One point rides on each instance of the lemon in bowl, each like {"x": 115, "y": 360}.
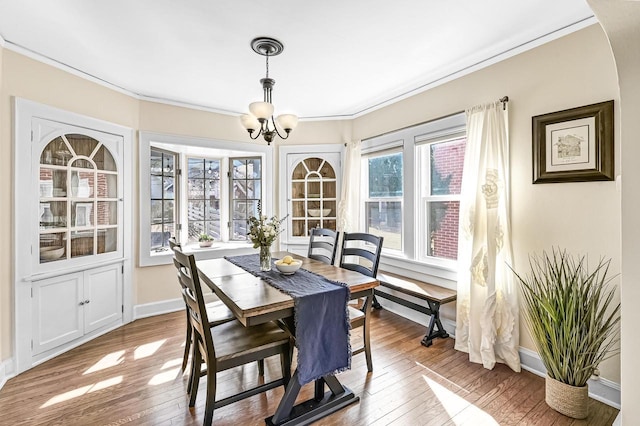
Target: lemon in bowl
{"x": 288, "y": 265}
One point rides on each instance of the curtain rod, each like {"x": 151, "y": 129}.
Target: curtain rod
{"x": 504, "y": 101}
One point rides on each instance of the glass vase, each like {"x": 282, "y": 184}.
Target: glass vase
{"x": 265, "y": 258}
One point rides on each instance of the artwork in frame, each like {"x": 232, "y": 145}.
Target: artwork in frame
{"x": 574, "y": 145}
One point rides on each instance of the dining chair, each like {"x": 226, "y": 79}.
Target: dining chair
{"x": 361, "y": 253}
{"x": 323, "y": 245}
{"x": 227, "y": 345}
{"x": 217, "y": 313}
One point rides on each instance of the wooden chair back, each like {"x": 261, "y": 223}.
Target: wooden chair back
{"x": 361, "y": 252}
{"x": 323, "y": 245}
{"x": 192, "y": 293}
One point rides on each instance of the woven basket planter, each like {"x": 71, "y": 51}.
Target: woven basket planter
{"x": 572, "y": 401}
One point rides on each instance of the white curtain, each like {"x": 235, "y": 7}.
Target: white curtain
{"x": 349, "y": 205}
{"x": 487, "y": 306}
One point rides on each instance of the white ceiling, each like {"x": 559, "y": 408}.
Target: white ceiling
{"x": 341, "y": 57}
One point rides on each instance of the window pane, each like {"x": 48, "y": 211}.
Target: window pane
{"x": 156, "y": 162}
{"x": 240, "y": 189}
{"x": 239, "y": 210}
{"x": 156, "y": 187}
{"x": 195, "y": 210}
{"x": 168, "y": 188}
{"x": 196, "y": 168}
{"x": 446, "y": 163}
{"x": 253, "y": 169}
{"x": 168, "y": 165}
{"x": 239, "y": 169}
{"x": 384, "y": 218}
{"x": 385, "y": 176}
{"x": 239, "y": 230}
{"x": 213, "y": 210}
{"x": 212, "y": 188}
{"x": 196, "y": 189}
{"x": 442, "y": 232}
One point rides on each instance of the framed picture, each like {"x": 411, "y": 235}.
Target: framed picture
{"x": 574, "y": 145}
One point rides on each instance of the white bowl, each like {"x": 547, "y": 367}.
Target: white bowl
{"x": 288, "y": 269}
{"x": 51, "y": 252}
{"x": 316, "y": 212}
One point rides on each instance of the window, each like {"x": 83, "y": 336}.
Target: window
{"x": 203, "y": 198}
{"x": 246, "y": 190}
{"x": 163, "y": 198}
{"x": 189, "y": 186}
{"x": 383, "y": 199}
{"x": 441, "y": 166}
{"x": 411, "y": 195}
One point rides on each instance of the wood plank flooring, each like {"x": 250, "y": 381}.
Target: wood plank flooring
{"x": 131, "y": 376}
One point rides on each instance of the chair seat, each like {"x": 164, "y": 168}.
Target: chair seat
{"x": 233, "y": 340}
{"x": 218, "y": 313}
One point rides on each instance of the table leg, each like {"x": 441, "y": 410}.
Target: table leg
{"x": 323, "y": 403}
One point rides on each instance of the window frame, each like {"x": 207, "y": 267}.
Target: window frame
{"x": 187, "y": 145}
{"x": 176, "y": 196}
{"x": 367, "y": 199}
{"x": 231, "y": 196}
{"x": 423, "y": 217}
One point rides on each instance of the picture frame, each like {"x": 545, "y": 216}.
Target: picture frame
{"x": 574, "y": 145}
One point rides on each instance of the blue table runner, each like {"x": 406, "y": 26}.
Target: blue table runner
{"x": 320, "y": 314}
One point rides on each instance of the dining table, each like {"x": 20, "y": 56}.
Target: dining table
{"x": 254, "y": 301}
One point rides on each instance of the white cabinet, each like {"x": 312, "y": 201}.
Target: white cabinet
{"x": 313, "y": 182}
{"x": 73, "y": 215}
{"x": 67, "y": 307}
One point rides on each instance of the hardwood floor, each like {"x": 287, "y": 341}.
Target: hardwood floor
{"x": 131, "y": 376}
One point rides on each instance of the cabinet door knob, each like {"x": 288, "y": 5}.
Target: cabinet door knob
{"x": 87, "y": 301}
{"x": 81, "y": 303}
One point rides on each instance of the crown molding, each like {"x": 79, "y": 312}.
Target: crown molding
{"x": 546, "y": 38}
{"x": 423, "y": 87}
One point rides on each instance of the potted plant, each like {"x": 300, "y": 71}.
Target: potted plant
{"x": 573, "y": 322}
{"x": 205, "y": 240}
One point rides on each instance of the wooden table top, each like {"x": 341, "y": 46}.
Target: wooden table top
{"x": 254, "y": 301}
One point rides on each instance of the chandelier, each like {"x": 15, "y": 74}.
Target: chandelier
{"x": 261, "y": 116}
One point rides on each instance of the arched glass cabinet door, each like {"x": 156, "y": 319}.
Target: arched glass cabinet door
{"x": 313, "y": 196}
{"x": 78, "y": 199}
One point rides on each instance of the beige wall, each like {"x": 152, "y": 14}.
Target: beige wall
{"x": 575, "y": 70}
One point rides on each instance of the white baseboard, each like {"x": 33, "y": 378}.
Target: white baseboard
{"x": 6, "y": 371}
{"x": 601, "y": 389}
{"x": 157, "y": 308}
{"x": 618, "y": 420}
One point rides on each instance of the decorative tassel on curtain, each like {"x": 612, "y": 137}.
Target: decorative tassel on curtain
{"x": 487, "y": 307}
{"x": 349, "y": 205}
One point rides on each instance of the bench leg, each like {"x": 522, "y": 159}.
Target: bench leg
{"x": 435, "y": 326}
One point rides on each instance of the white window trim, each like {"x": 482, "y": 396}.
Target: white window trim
{"x": 146, "y": 257}
{"x": 386, "y": 149}
{"x": 442, "y": 272}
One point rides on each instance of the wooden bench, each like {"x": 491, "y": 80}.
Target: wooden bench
{"x": 432, "y": 294}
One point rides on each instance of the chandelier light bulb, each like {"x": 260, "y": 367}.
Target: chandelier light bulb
{"x": 287, "y": 121}
{"x": 261, "y": 110}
